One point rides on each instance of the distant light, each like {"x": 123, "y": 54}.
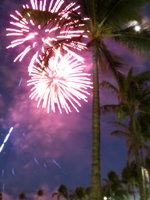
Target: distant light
{"x": 105, "y": 198}
{"x": 132, "y": 23}
{"x": 135, "y": 25}
{"x": 137, "y": 28}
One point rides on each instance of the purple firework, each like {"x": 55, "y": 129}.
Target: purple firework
{"x": 37, "y": 37}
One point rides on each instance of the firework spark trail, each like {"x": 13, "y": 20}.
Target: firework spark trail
{"x": 20, "y": 82}
{"x": 61, "y": 85}
{"x": 13, "y": 171}
{"x": 3, "y": 171}
{"x": 36, "y": 161}
{"x": 6, "y": 138}
{"x": 37, "y": 37}
{"x": 45, "y": 165}
{"x": 57, "y": 164}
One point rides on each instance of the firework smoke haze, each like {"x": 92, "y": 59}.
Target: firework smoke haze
{"x": 41, "y": 26}
{"x": 61, "y": 85}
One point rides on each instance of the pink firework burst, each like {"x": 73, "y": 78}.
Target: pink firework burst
{"x": 37, "y": 37}
{"x": 61, "y": 85}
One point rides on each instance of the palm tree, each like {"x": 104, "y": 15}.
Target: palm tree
{"x": 61, "y": 192}
{"x": 134, "y": 98}
{"x": 40, "y": 193}
{"x": 134, "y": 150}
{"x": 113, "y": 188}
{"x": 22, "y": 196}
{"x": 80, "y": 193}
{"x": 107, "y": 19}
{"x": 130, "y": 179}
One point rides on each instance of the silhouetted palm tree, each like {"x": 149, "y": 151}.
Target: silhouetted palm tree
{"x": 61, "y": 192}
{"x": 40, "y": 193}
{"x": 22, "y": 196}
{"x": 129, "y": 177}
{"x": 113, "y": 19}
{"x": 113, "y": 188}
{"x": 134, "y": 96}
{"x": 79, "y": 193}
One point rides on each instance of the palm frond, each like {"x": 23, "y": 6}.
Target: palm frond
{"x": 105, "y": 109}
{"x": 112, "y": 62}
{"x": 115, "y": 12}
{"x": 67, "y": 41}
{"x": 92, "y": 9}
{"x": 144, "y": 106}
{"x": 108, "y": 85}
{"x": 129, "y": 76}
{"x": 119, "y": 133}
{"x": 123, "y": 112}
{"x": 39, "y": 17}
{"x": 142, "y": 77}
{"x": 133, "y": 39}
{"x": 131, "y": 153}
{"x": 120, "y": 12}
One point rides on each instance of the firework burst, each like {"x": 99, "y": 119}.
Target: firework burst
{"x": 41, "y": 26}
{"x": 61, "y": 85}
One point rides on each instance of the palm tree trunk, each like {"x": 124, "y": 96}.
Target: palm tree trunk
{"x": 95, "y": 177}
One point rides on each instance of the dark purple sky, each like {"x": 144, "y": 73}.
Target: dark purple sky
{"x": 46, "y": 150}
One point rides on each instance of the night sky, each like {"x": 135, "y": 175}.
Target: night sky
{"x": 46, "y": 150}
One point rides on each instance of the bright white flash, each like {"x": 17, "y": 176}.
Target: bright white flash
{"x": 137, "y": 28}
{"x": 60, "y": 86}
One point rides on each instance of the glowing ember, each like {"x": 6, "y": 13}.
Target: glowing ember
{"x": 37, "y": 37}
{"x": 61, "y": 85}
